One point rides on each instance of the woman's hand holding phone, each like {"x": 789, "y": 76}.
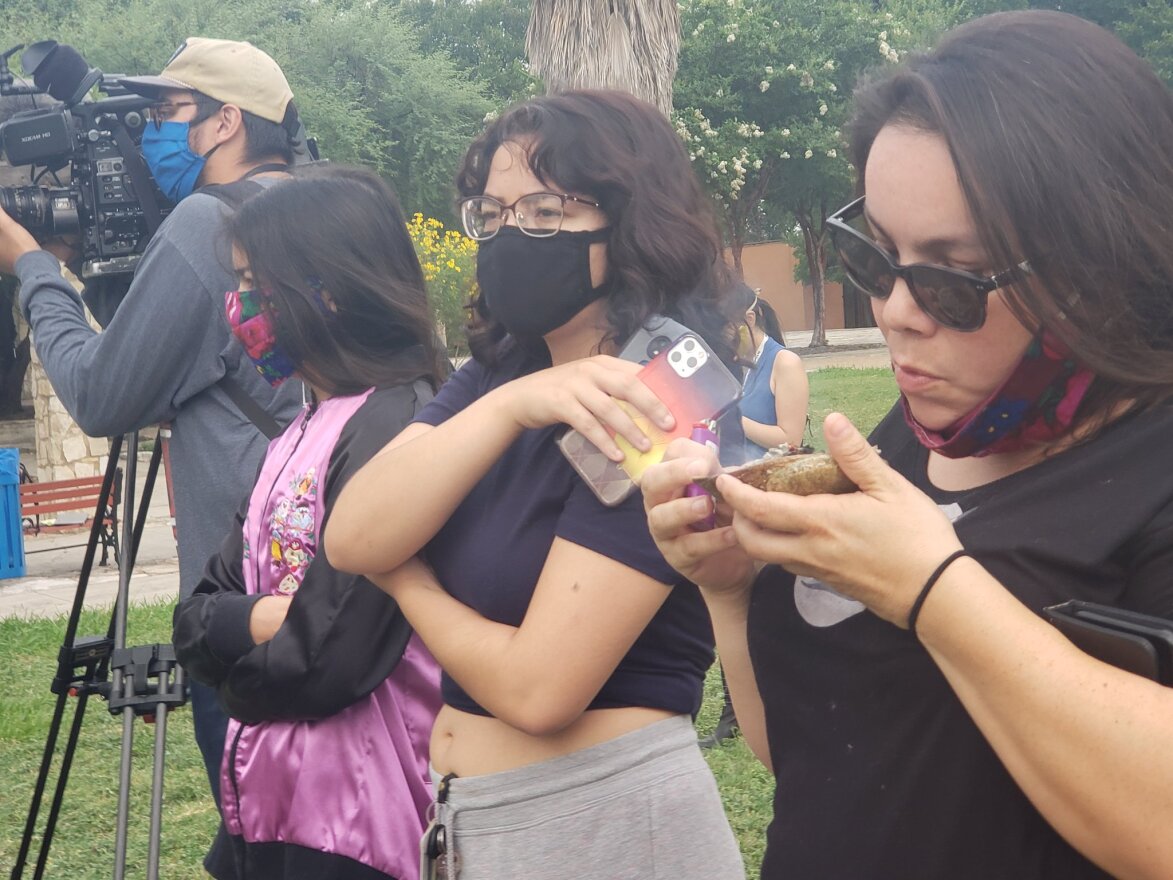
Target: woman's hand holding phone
{"x": 586, "y": 395}
{"x": 694, "y": 386}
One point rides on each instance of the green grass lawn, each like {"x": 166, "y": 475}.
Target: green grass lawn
{"x": 864, "y": 395}
{"x": 84, "y": 842}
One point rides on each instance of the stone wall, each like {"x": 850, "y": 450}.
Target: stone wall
{"x": 63, "y": 451}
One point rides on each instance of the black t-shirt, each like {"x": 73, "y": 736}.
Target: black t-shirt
{"x": 491, "y": 551}
{"x": 880, "y": 771}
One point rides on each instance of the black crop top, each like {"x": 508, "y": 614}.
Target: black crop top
{"x": 491, "y": 552}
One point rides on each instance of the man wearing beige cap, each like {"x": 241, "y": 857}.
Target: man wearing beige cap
{"x": 223, "y": 113}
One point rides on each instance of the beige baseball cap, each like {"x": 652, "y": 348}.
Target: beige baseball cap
{"x": 228, "y": 71}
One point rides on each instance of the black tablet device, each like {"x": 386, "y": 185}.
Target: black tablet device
{"x": 1138, "y": 643}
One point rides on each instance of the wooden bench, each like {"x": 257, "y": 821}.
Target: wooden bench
{"x": 57, "y": 496}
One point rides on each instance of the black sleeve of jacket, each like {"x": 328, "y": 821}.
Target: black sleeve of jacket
{"x": 210, "y": 629}
{"x": 342, "y": 635}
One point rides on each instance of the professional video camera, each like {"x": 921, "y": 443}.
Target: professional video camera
{"x": 110, "y": 200}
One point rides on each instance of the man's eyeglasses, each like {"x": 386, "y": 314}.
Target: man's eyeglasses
{"x": 951, "y": 297}
{"x": 536, "y": 214}
{"x": 164, "y": 110}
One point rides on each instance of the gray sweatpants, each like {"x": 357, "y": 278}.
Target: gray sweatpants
{"x": 644, "y": 806}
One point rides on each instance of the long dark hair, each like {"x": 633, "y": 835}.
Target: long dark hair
{"x": 1061, "y": 139}
{"x": 340, "y": 230}
{"x": 664, "y": 252}
{"x": 747, "y": 300}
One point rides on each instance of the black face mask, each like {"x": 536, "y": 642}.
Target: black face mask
{"x": 535, "y": 285}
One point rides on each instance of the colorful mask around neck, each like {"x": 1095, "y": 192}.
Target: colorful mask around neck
{"x": 173, "y": 164}
{"x": 1035, "y": 405}
{"x": 253, "y": 326}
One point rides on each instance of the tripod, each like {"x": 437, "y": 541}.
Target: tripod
{"x": 142, "y": 681}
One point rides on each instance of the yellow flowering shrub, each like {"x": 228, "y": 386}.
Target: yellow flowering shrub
{"x": 448, "y": 259}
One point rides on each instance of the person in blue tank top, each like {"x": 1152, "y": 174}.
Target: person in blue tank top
{"x": 775, "y": 392}
{"x": 773, "y": 405}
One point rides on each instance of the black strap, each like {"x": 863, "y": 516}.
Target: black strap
{"x": 252, "y": 410}
{"x": 235, "y": 193}
{"x": 232, "y": 194}
{"x": 265, "y": 169}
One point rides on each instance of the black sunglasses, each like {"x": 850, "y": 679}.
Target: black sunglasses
{"x": 951, "y": 297}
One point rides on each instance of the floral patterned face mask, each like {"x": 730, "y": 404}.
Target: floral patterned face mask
{"x": 252, "y": 324}
{"x": 1035, "y": 405}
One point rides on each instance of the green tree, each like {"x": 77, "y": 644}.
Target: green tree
{"x": 1145, "y": 25}
{"x": 484, "y": 38}
{"x": 763, "y": 95}
{"x": 363, "y": 85}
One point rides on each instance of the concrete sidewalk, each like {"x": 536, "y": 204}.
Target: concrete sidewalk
{"x": 857, "y": 347}
{"x": 53, "y": 566}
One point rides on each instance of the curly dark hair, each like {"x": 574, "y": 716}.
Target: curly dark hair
{"x": 1061, "y": 139}
{"x": 664, "y": 253}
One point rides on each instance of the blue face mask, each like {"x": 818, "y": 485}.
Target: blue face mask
{"x": 173, "y": 164}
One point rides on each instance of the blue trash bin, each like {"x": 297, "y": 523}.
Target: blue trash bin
{"x": 11, "y": 534}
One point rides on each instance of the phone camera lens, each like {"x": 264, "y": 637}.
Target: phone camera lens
{"x": 691, "y": 363}
{"x": 675, "y": 357}
{"x": 657, "y": 345}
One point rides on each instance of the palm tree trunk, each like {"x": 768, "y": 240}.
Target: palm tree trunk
{"x": 606, "y": 44}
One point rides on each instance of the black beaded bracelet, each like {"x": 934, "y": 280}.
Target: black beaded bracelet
{"x": 914, "y": 612}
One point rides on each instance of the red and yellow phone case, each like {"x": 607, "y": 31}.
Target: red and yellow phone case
{"x": 692, "y": 392}
{"x": 694, "y": 385}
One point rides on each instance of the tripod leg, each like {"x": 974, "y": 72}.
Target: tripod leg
{"x": 62, "y": 780}
{"x": 125, "y": 684}
{"x": 62, "y": 682}
{"x": 124, "y": 788}
{"x": 157, "y": 780}
{"x": 94, "y": 655}
{"x": 145, "y": 501}
{"x": 39, "y": 788}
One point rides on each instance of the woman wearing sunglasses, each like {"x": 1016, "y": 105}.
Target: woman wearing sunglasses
{"x": 892, "y": 662}
{"x": 573, "y": 654}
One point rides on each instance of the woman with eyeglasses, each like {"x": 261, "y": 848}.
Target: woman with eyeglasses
{"x": 573, "y": 654}
{"x": 891, "y": 662}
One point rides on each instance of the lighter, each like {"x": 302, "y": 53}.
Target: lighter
{"x": 704, "y": 433}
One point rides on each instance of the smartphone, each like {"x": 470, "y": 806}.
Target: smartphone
{"x": 610, "y": 482}
{"x": 652, "y": 338}
{"x": 695, "y": 386}
{"x": 1139, "y": 643}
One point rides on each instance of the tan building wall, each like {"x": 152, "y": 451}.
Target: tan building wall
{"x": 770, "y": 267}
